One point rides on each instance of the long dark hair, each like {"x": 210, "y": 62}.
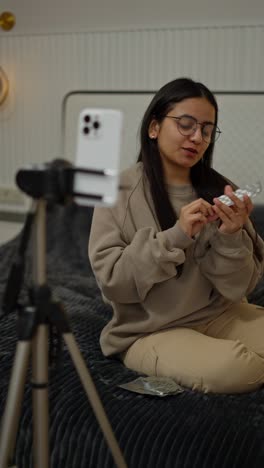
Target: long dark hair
{"x": 202, "y": 172}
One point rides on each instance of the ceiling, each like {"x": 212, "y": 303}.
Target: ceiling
{"x": 61, "y": 16}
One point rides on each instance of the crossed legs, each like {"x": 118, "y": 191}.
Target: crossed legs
{"x": 223, "y": 356}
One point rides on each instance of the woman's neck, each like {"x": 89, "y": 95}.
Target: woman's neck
{"x": 177, "y": 176}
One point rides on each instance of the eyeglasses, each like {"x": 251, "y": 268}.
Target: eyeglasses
{"x": 187, "y": 126}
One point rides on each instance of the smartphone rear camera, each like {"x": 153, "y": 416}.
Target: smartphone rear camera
{"x": 87, "y": 118}
{"x": 96, "y": 125}
{"x": 86, "y": 130}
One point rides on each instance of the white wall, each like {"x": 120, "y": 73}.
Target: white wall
{"x": 56, "y": 16}
{"x": 44, "y": 62}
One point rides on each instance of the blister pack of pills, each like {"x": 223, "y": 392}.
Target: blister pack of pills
{"x": 251, "y": 190}
{"x": 156, "y": 386}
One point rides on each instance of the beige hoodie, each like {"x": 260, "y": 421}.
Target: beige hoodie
{"x": 135, "y": 264}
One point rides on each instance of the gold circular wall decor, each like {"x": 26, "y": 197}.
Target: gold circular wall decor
{"x": 7, "y": 20}
{"x": 4, "y": 85}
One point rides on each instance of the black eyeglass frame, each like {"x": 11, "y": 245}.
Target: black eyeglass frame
{"x": 215, "y": 134}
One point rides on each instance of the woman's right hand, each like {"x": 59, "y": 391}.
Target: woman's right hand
{"x": 195, "y": 215}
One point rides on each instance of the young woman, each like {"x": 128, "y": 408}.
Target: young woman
{"x": 175, "y": 263}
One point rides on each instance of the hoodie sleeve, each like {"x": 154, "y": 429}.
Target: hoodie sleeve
{"x": 126, "y": 272}
{"x": 230, "y": 264}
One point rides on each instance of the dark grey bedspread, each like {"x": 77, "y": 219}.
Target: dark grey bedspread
{"x": 189, "y": 430}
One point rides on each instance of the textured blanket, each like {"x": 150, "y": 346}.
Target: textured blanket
{"x": 188, "y": 430}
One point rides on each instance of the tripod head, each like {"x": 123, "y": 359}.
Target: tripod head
{"x": 57, "y": 182}
{"x": 52, "y": 181}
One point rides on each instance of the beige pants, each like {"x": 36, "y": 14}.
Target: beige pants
{"x": 223, "y": 356}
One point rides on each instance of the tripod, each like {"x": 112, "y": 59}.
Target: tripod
{"x": 33, "y": 325}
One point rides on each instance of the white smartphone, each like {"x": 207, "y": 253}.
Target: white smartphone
{"x": 97, "y": 161}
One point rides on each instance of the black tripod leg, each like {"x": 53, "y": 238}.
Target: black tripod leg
{"x": 35, "y": 338}
{"x": 41, "y": 298}
{"x": 59, "y": 319}
{"x": 12, "y": 411}
{"x": 94, "y": 399}
{"x": 40, "y": 397}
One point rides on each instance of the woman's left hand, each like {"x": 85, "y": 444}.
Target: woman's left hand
{"x": 235, "y": 216}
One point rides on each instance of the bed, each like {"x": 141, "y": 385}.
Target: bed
{"x": 187, "y": 430}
